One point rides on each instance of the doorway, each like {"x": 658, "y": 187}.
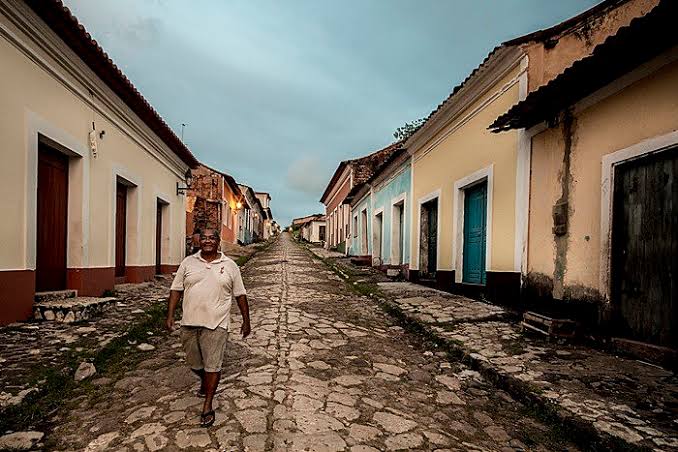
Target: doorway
{"x": 428, "y": 247}
{"x": 52, "y": 219}
{"x": 363, "y": 233}
{"x": 160, "y": 210}
{"x": 475, "y": 233}
{"x": 397, "y": 239}
{"x": 120, "y": 229}
{"x": 644, "y": 271}
{"x": 377, "y": 232}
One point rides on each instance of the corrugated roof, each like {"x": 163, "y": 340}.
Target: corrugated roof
{"x": 60, "y": 19}
{"x": 644, "y": 38}
{"x": 575, "y": 21}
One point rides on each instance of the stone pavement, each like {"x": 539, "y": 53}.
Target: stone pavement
{"x": 28, "y": 347}
{"x": 614, "y": 397}
{"x": 324, "y": 370}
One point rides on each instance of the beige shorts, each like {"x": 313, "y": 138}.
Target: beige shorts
{"x": 204, "y": 347}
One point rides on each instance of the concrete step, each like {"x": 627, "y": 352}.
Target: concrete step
{"x": 54, "y": 295}
{"x": 69, "y": 310}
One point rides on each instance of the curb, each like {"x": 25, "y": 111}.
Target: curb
{"x": 582, "y": 432}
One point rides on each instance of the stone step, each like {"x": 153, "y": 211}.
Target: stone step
{"x": 54, "y": 295}
{"x": 69, "y": 310}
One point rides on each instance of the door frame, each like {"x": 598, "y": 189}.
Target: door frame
{"x": 482, "y": 175}
{"x": 133, "y": 223}
{"x": 375, "y": 213}
{"x": 421, "y": 201}
{"x": 37, "y": 130}
{"x": 638, "y": 150}
{"x": 399, "y": 201}
{"x": 364, "y": 236}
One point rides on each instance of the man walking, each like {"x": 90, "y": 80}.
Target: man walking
{"x": 209, "y": 281}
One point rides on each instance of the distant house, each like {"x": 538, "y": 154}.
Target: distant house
{"x": 252, "y": 217}
{"x": 312, "y": 228}
{"x": 91, "y": 175}
{"x": 384, "y": 235}
{"x": 603, "y": 193}
{"x": 265, "y": 200}
{"x": 211, "y": 202}
{"x": 348, "y": 174}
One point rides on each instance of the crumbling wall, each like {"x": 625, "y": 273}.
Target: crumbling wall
{"x": 550, "y": 58}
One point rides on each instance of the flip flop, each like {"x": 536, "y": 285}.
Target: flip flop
{"x": 207, "y": 419}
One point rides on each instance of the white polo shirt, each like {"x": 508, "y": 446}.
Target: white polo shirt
{"x": 209, "y": 289}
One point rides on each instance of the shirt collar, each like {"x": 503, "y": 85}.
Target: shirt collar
{"x": 220, "y": 258}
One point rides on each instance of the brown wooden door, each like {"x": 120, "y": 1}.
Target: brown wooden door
{"x": 120, "y": 229}
{"x": 645, "y": 249}
{"x": 158, "y": 237}
{"x": 52, "y": 220}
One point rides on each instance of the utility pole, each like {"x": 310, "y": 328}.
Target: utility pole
{"x": 182, "y": 131}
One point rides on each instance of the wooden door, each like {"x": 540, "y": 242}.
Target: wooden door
{"x": 52, "y": 220}
{"x": 475, "y": 228}
{"x": 120, "y": 229}
{"x": 645, "y": 249}
{"x": 432, "y": 213}
{"x": 158, "y": 238}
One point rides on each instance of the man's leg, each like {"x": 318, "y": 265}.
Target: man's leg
{"x": 211, "y": 382}
{"x": 201, "y": 374}
{"x": 190, "y": 341}
{"x": 212, "y": 345}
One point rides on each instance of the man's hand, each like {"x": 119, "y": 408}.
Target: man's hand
{"x": 245, "y": 311}
{"x": 245, "y": 329}
{"x": 174, "y": 297}
{"x": 169, "y": 323}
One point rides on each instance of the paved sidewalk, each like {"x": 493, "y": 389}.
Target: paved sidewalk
{"x": 26, "y": 348}
{"x": 324, "y": 370}
{"x": 614, "y": 397}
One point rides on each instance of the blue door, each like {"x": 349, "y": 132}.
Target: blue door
{"x": 475, "y": 225}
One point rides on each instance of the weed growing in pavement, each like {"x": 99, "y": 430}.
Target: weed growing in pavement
{"x": 560, "y": 431}
{"x": 57, "y": 388}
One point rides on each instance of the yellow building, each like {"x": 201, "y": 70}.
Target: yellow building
{"x": 470, "y": 187}
{"x": 90, "y": 172}
{"x": 603, "y": 195}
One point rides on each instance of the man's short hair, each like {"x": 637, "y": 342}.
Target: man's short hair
{"x": 216, "y": 233}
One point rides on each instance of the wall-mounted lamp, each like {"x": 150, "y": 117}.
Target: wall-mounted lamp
{"x": 238, "y": 205}
{"x": 188, "y": 178}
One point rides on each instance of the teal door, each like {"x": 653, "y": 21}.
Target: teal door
{"x": 475, "y": 226}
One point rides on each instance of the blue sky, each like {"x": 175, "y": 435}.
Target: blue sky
{"x": 277, "y": 93}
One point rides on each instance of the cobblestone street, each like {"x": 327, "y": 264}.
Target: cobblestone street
{"x": 324, "y": 370}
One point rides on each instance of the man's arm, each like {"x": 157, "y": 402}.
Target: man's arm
{"x": 245, "y": 311}
{"x": 175, "y": 296}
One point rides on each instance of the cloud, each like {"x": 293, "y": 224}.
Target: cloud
{"x": 306, "y": 175}
{"x": 262, "y": 84}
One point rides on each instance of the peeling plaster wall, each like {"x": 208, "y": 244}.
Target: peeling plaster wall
{"x": 548, "y": 60}
{"x": 570, "y": 270}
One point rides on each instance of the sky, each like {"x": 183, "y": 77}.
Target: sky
{"x": 278, "y": 92}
